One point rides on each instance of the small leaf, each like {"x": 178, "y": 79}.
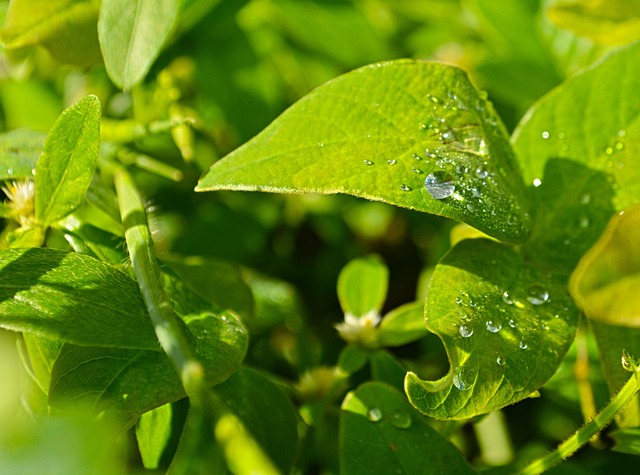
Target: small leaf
{"x": 271, "y": 413}
{"x": 132, "y": 33}
{"x": 610, "y": 22}
{"x": 387, "y": 369}
{"x": 605, "y": 283}
{"x": 577, "y": 147}
{"x": 65, "y": 168}
{"x": 410, "y": 133}
{"x": 505, "y": 325}
{"x": 73, "y": 298}
{"x": 66, "y": 28}
{"x": 19, "y": 152}
{"x": 627, "y": 440}
{"x": 380, "y": 433}
{"x": 152, "y": 433}
{"x": 403, "y": 325}
{"x": 352, "y": 359}
{"x": 362, "y": 286}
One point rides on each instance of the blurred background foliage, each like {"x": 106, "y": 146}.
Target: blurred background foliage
{"x": 231, "y": 67}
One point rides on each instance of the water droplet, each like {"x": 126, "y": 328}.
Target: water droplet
{"x": 459, "y": 300}
{"x": 447, "y": 137}
{"x": 619, "y": 146}
{"x": 545, "y": 134}
{"x": 608, "y": 150}
{"x": 501, "y": 361}
{"x": 459, "y": 381}
{"x": 391, "y": 162}
{"x": 586, "y": 199}
{"x": 404, "y": 187}
{"x": 433, "y": 99}
{"x": 320, "y": 144}
{"x": 10, "y": 171}
{"x": 544, "y": 326}
{"x": 33, "y": 171}
{"x": 622, "y": 133}
{"x": 537, "y": 182}
{"x": 537, "y": 295}
{"x": 523, "y": 345}
{"x": 374, "y": 415}
{"x": 423, "y": 126}
{"x": 439, "y": 185}
{"x": 494, "y": 326}
{"x": 416, "y": 156}
{"x": 561, "y": 135}
{"x": 401, "y": 420}
{"x": 429, "y": 154}
{"x": 465, "y": 331}
{"x": 583, "y": 221}
{"x": 482, "y": 173}
{"x": 368, "y": 162}
{"x": 416, "y": 171}
{"x": 513, "y": 323}
{"x": 506, "y": 297}
{"x": 224, "y": 319}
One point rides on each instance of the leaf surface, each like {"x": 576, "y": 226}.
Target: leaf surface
{"x": 410, "y": 133}
{"x": 362, "y": 286}
{"x": 19, "y": 152}
{"x": 381, "y": 433}
{"x": 153, "y": 431}
{"x": 132, "y": 33}
{"x": 505, "y": 325}
{"x": 577, "y": 147}
{"x": 65, "y": 168}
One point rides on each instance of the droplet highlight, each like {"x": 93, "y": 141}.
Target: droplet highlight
{"x": 494, "y": 326}
{"x": 374, "y": 415}
{"x": 439, "y": 185}
{"x": 459, "y": 380}
{"x": 401, "y": 420}
{"x": 465, "y": 330}
{"x": 537, "y": 295}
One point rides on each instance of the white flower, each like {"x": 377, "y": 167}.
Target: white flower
{"x": 21, "y": 201}
{"x": 361, "y": 329}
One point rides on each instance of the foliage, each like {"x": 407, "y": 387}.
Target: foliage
{"x": 302, "y": 330}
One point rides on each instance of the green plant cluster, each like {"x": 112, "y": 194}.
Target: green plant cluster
{"x": 474, "y": 309}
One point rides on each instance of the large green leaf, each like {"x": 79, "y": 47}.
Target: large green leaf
{"x": 605, "y": 284}
{"x": 132, "y": 33}
{"x": 19, "y": 152}
{"x": 577, "y": 147}
{"x": 380, "y": 433}
{"x": 65, "y": 168}
{"x": 505, "y": 325}
{"x": 411, "y": 133}
{"x": 73, "y": 298}
{"x": 153, "y": 431}
{"x": 67, "y": 28}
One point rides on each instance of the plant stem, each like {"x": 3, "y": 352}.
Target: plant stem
{"x": 172, "y": 333}
{"x": 591, "y": 428}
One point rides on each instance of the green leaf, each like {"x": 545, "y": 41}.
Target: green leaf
{"x": 627, "y": 440}
{"x": 380, "y": 433}
{"x": 132, "y": 33}
{"x": 505, "y": 325}
{"x": 362, "y": 286}
{"x": 577, "y": 147}
{"x": 381, "y": 132}
{"x": 271, "y": 413}
{"x": 19, "y": 152}
{"x": 403, "y": 325}
{"x": 352, "y": 359}
{"x": 73, "y": 298}
{"x": 611, "y": 22}
{"x": 153, "y": 430}
{"x": 605, "y": 284}
{"x": 65, "y": 168}
{"x": 66, "y": 28}
{"x": 387, "y": 369}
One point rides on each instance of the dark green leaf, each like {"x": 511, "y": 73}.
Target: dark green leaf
{"x": 362, "y": 286}
{"x": 67, "y": 28}
{"x": 132, "y": 33}
{"x": 271, "y": 413}
{"x": 65, "y": 168}
{"x": 402, "y": 325}
{"x": 352, "y": 358}
{"x": 627, "y": 440}
{"x": 73, "y": 298}
{"x": 153, "y": 430}
{"x": 578, "y": 147}
{"x": 605, "y": 284}
{"x": 505, "y": 325}
{"x": 387, "y": 369}
{"x": 19, "y": 152}
{"x": 410, "y": 133}
{"x": 381, "y": 433}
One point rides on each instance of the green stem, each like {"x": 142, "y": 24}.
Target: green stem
{"x": 172, "y": 333}
{"x": 591, "y": 428}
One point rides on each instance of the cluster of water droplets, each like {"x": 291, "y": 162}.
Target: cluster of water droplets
{"x": 398, "y": 419}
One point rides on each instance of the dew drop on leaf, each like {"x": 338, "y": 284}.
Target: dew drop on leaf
{"x": 494, "y": 326}
{"x": 545, "y": 134}
{"x": 401, "y": 420}
{"x": 523, "y": 345}
{"x": 506, "y": 298}
{"x": 501, "y": 361}
{"x": 391, "y": 162}
{"x": 368, "y": 162}
{"x": 537, "y": 295}
{"x": 439, "y": 185}
{"x": 459, "y": 380}
{"x": 482, "y": 173}
{"x": 513, "y": 323}
{"x": 404, "y": 187}
{"x": 465, "y": 330}
{"x": 374, "y": 415}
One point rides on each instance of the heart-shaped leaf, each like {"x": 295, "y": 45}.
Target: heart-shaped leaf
{"x": 505, "y": 325}
{"x": 411, "y": 133}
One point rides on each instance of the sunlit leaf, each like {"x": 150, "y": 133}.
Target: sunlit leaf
{"x": 411, "y": 133}
{"x": 153, "y": 430}
{"x": 505, "y": 325}
{"x": 362, "y": 286}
